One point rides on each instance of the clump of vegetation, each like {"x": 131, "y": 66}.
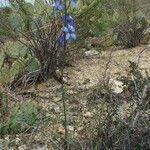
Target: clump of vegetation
{"x": 94, "y": 18}
{"x": 39, "y": 32}
{"x": 76, "y": 117}
{"x": 137, "y": 84}
{"x": 122, "y": 119}
{"x": 130, "y": 33}
{"x": 21, "y": 118}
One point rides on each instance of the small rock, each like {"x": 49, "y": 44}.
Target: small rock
{"x": 148, "y": 46}
{"x": 88, "y": 114}
{"x": 61, "y": 130}
{"x": 117, "y": 86}
{"x": 70, "y": 92}
{"x": 44, "y": 147}
{"x": 66, "y": 81}
{"x": 91, "y": 53}
{"x": 56, "y": 109}
{"x": 17, "y": 141}
{"x": 22, "y": 147}
{"x": 70, "y": 128}
{"x": 86, "y": 81}
{"x": 84, "y": 49}
{"x": 80, "y": 129}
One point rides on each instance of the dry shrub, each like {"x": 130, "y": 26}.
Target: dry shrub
{"x": 130, "y": 33}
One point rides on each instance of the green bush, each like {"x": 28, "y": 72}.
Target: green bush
{"x": 21, "y": 118}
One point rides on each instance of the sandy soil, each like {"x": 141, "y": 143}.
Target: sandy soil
{"x": 92, "y": 69}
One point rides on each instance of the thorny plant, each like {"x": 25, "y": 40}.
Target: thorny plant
{"x": 120, "y": 127}
{"x": 130, "y": 33}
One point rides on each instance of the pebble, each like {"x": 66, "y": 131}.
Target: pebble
{"x": 88, "y": 114}
{"x": 91, "y": 53}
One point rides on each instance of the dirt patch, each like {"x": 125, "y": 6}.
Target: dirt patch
{"x": 92, "y": 69}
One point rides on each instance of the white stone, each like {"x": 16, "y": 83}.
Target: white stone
{"x": 91, "y": 53}
{"x": 22, "y": 147}
{"x": 148, "y": 46}
{"x": 42, "y": 148}
{"x": 88, "y": 114}
{"x": 70, "y": 128}
{"x": 17, "y": 141}
{"x": 117, "y": 86}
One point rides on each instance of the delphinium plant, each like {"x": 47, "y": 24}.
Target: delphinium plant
{"x": 68, "y": 23}
{"x": 60, "y": 8}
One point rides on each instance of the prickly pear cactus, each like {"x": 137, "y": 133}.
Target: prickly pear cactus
{"x": 15, "y": 59}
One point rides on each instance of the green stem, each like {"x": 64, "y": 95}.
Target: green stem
{"x": 62, "y": 84}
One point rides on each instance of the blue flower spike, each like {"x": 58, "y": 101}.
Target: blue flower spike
{"x": 57, "y": 6}
{"x": 70, "y": 32}
{"x": 67, "y": 20}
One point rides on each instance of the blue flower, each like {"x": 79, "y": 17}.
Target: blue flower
{"x": 70, "y": 32}
{"x": 60, "y": 41}
{"x": 57, "y": 7}
{"x": 69, "y": 20}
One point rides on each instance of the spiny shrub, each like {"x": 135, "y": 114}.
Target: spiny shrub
{"x": 130, "y": 33}
{"x": 131, "y": 131}
{"x": 122, "y": 124}
{"x": 137, "y": 85}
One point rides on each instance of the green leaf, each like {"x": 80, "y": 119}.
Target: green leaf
{"x": 2, "y": 58}
{"x": 15, "y": 49}
{"x": 32, "y": 64}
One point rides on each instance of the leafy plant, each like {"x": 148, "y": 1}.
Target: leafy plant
{"x": 137, "y": 84}
{"x": 4, "y": 30}
{"x": 21, "y": 118}
{"x": 14, "y": 60}
{"x": 26, "y": 13}
{"x": 14, "y": 49}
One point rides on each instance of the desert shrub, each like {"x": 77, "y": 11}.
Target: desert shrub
{"x": 130, "y": 33}
{"x": 137, "y": 84}
{"x": 132, "y": 130}
{"x": 93, "y": 19}
{"x": 122, "y": 119}
{"x": 21, "y": 118}
{"x": 96, "y": 17}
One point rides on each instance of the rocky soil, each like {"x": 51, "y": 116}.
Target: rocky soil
{"x": 85, "y": 74}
